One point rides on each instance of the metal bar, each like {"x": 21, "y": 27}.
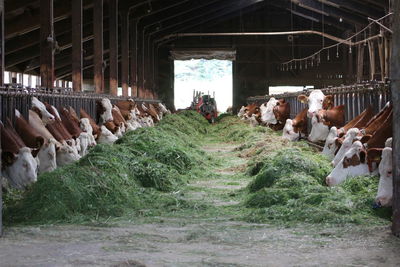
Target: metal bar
{"x": 125, "y": 51}
{"x": 77, "y": 46}
{"x": 98, "y": 46}
{"x": 113, "y": 49}
{"x": 395, "y": 88}
{"x": 47, "y": 43}
{"x": 307, "y": 32}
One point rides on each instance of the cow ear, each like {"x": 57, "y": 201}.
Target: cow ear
{"x": 328, "y": 102}
{"x": 8, "y": 158}
{"x": 338, "y": 142}
{"x": 303, "y": 99}
{"x": 365, "y": 138}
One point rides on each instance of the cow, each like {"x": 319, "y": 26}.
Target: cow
{"x": 281, "y": 112}
{"x": 242, "y": 112}
{"x": 316, "y": 101}
{"x": 354, "y": 163}
{"x": 296, "y": 128}
{"x": 332, "y": 117}
{"x": 359, "y": 121}
{"x": 86, "y": 127}
{"x": 330, "y": 143}
{"x": 385, "y": 187}
{"x": 252, "y": 109}
{"x": 104, "y": 110}
{"x": 319, "y": 131}
{"x": 32, "y": 138}
{"x": 18, "y": 164}
{"x": 95, "y": 128}
{"x": 267, "y": 112}
{"x": 106, "y": 137}
{"x": 41, "y": 110}
{"x": 350, "y": 137}
{"x": 164, "y": 111}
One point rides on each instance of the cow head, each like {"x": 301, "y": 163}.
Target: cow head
{"x": 319, "y": 131}
{"x": 66, "y": 154}
{"x": 41, "y": 110}
{"x": 241, "y": 112}
{"x": 330, "y": 143}
{"x": 288, "y": 131}
{"x": 281, "y": 111}
{"x": 346, "y": 145}
{"x": 47, "y": 156}
{"x": 354, "y": 163}
{"x": 104, "y": 108}
{"x": 106, "y": 136}
{"x": 252, "y": 109}
{"x": 23, "y": 168}
{"x": 316, "y": 101}
{"x": 385, "y": 187}
{"x": 86, "y": 126}
{"x": 267, "y": 111}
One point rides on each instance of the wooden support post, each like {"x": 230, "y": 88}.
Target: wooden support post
{"x": 47, "y": 43}
{"x": 371, "y": 49}
{"x": 98, "y": 46}
{"x": 381, "y": 49}
{"x": 125, "y": 51}
{"x": 133, "y": 54}
{"x": 113, "y": 13}
{"x": 77, "y": 45}
{"x": 395, "y": 89}
{"x": 387, "y": 55}
{"x": 1, "y": 84}
{"x": 360, "y": 63}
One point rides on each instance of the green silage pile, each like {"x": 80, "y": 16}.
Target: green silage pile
{"x": 288, "y": 187}
{"x": 139, "y": 173}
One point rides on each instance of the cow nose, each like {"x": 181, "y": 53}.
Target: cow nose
{"x": 310, "y": 114}
{"x": 329, "y": 180}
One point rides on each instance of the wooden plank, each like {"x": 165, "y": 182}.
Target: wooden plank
{"x": 113, "y": 54}
{"x": 124, "y": 51}
{"x": 395, "y": 88}
{"x": 47, "y": 42}
{"x": 371, "y": 49}
{"x": 381, "y": 51}
{"x": 360, "y": 63}
{"x": 133, "y": 54}
{"x": 98, "y": 46}
{"x": 77, "y": 45}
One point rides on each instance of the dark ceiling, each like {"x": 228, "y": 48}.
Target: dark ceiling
{"x": 158, "y": 18}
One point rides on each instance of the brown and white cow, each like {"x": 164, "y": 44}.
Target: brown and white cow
{"x": 281, "y": 112}
{"x": 385, "y": 188}
{"x": 296, "y": 128}
{"x": 354, "y": 163}
{"x": 267, "y": 112}
{"x": 18, "y": 164}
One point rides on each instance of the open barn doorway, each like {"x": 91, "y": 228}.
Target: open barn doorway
{"x": 202, "y": 75}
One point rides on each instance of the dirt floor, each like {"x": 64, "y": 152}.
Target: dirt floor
{"x": 214, "y": 240}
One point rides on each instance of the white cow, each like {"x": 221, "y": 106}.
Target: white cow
{"x": 23, "y": 171}
{"x": 107, "y": 114}
{"x": 330, "y": 143}
{"x": 385, "y": 187}
{"x": 319, "y": 131}
{"x": 242, "y": 112}
{"x": 315, "y": 102}
{"x": 288, "y": 131}
{"x": 349, "y": 138}
{"x": 39, "y": 107}
{"x": 267, "y": 112}
{"x": 354, "y": 163}
{"x": 106, "y": 136}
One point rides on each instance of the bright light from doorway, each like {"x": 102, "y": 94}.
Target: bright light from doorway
{"x": 273, "y": 90}
{"x": 207, "y": 76}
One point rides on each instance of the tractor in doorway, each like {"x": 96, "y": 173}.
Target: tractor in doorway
{"x": 205, "y": 105}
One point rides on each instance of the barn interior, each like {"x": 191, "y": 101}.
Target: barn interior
{"x": 124, "y": 49}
